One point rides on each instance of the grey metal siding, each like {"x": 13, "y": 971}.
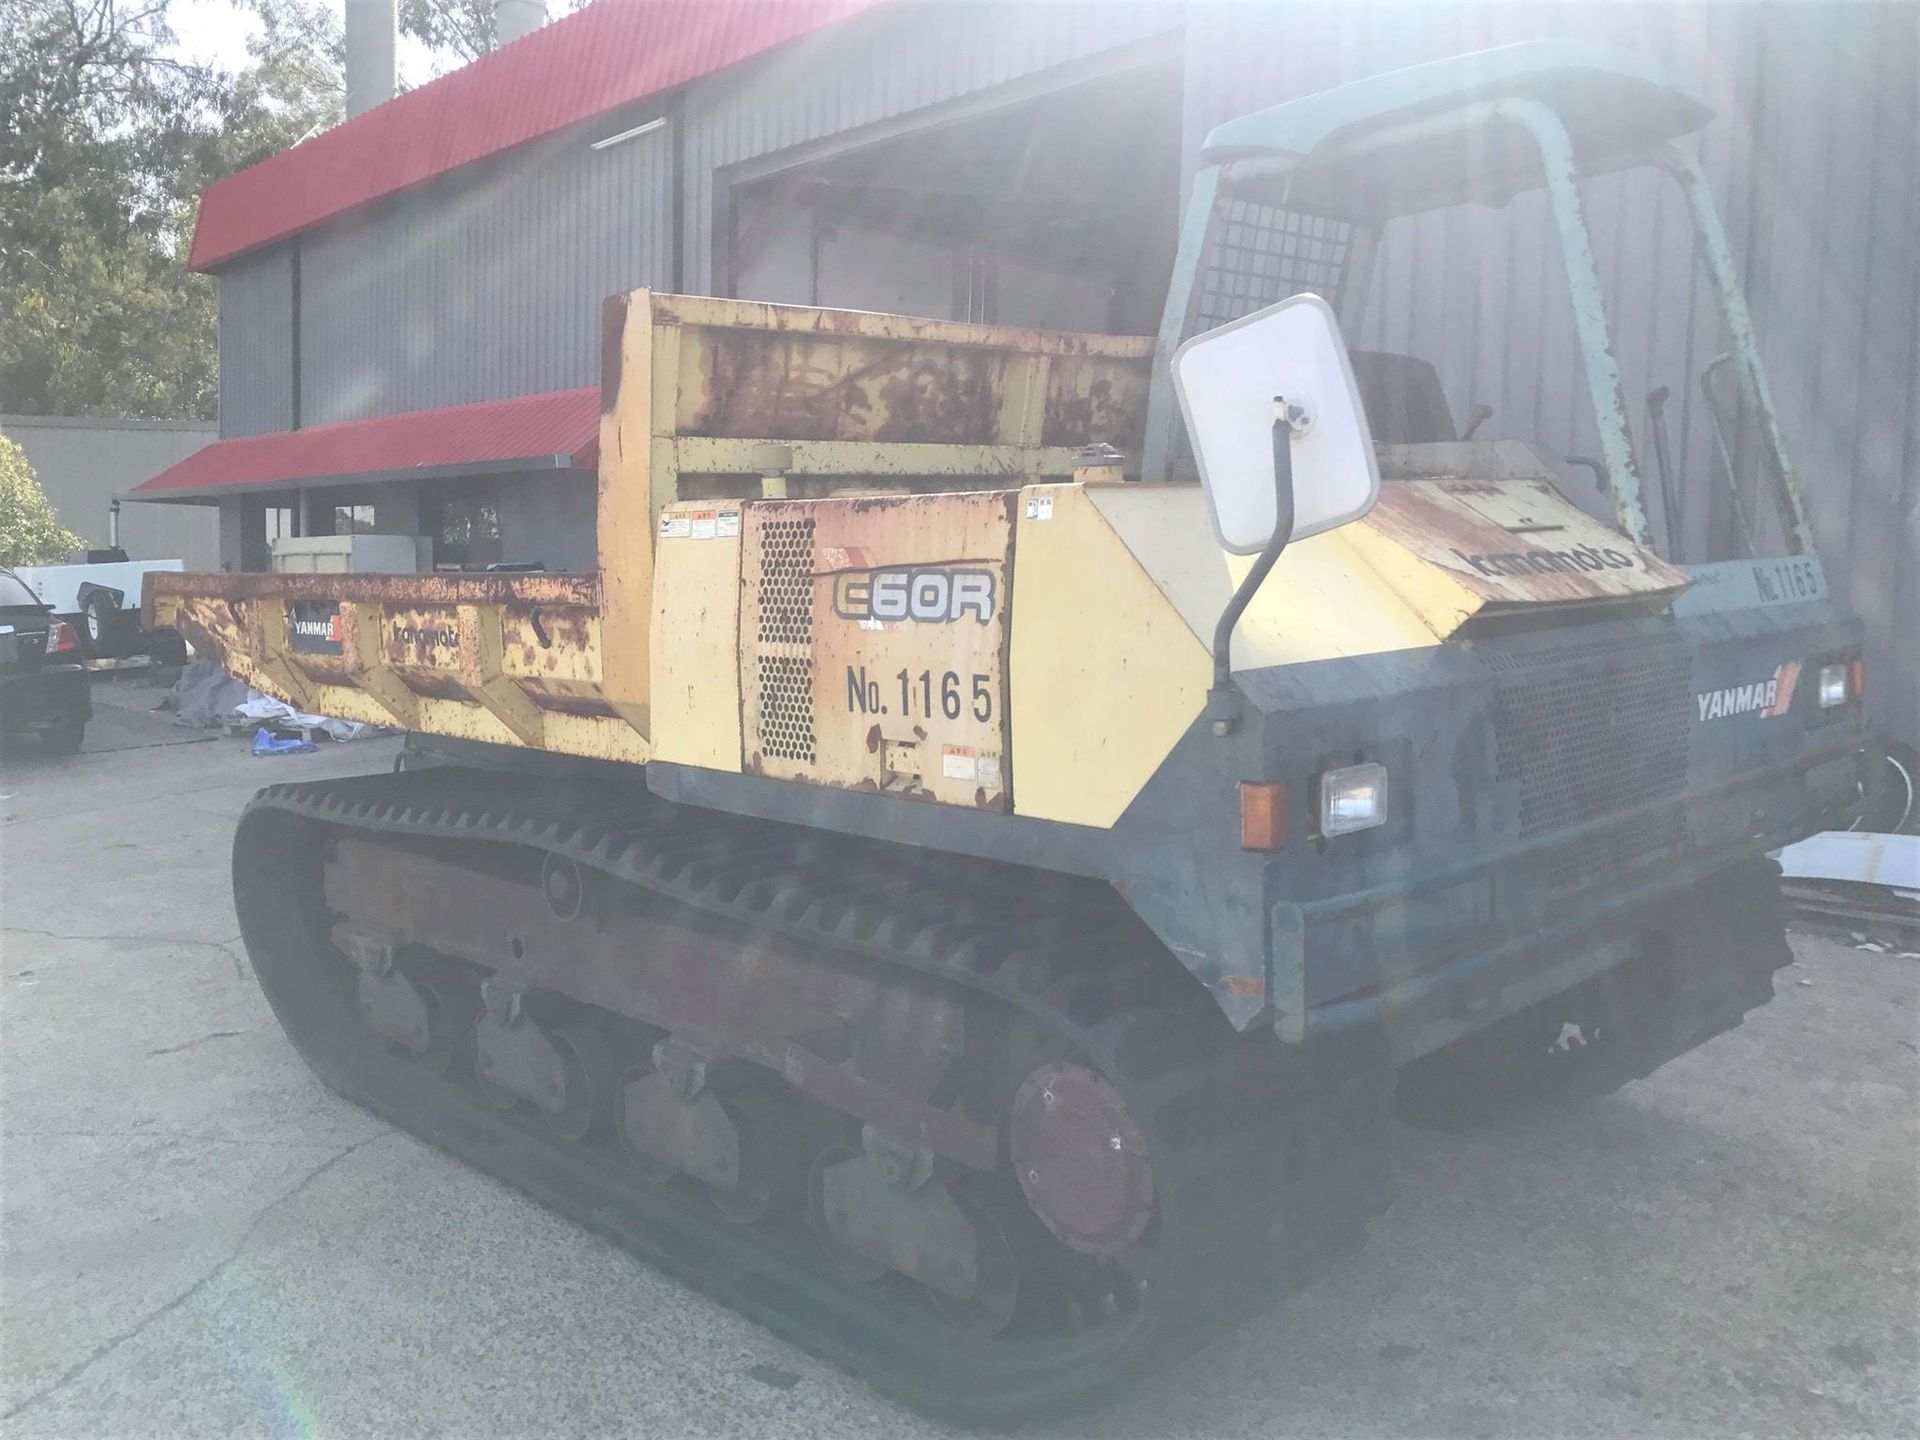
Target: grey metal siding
{"x": 488, "y": 282}
{"x": 256, "y": 343}
{"x": 898, "y": 59}
{"x": 1812, "y": 157}
{"x": 485, "y": 284}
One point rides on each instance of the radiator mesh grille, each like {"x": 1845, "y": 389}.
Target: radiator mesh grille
{"x": 1591, "y": 744}
{"x": 784, "y": 639}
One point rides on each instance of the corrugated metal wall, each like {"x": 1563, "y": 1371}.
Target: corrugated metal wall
{"x": 894, "y": 60}
{"x": 1813, "y": 157}
{"x": 487, "y": 283}
{"x": 256, "y": 343}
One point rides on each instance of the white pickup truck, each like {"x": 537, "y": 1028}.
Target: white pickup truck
{"x": 101, "y": 600}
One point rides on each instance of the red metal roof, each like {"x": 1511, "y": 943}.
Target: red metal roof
{"x": 558, "y": 429}
{"x": 609, "y": 54}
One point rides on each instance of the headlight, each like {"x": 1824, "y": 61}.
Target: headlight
{"x": 1353, "y": 798}
{"x": 1833, "y": 686}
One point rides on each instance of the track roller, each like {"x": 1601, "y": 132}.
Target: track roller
{"x": 731, "y": 1132}
{"x": 882, "y": 1209}
{"x": 564, "y": 1071}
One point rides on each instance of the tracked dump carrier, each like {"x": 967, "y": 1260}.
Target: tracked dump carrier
{"x": 930, "y": 888}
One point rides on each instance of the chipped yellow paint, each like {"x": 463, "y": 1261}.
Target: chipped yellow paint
{"x": 626, "y": 508}
{"x": 1105, "y": 675}
{"x": 902, "y": 440}
{"x": 1320, "y": 603}
{"x": 1455, "y": 547}
{"x": 696, "y": 627}
{"x": 839, "y": 685}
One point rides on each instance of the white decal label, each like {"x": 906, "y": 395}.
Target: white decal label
{"x": 1039, "y": 507}
{"x": 674, "y": 527}
{"x": 957, "y": 762}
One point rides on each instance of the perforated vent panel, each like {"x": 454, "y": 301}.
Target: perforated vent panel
{"x": 1258, "y": 254}
{"x": 1591, "y": 744}
{"x": 784, "y": 641}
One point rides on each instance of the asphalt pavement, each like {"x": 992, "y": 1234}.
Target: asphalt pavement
{"x": 198, "y": 1239}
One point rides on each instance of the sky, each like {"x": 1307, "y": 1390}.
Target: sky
{"x": 216, "y": 32}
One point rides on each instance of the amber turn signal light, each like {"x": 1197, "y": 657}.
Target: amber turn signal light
{"x": 1263, "y": 814}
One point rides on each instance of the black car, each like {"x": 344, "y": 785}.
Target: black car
{"x": 43, "y": 686}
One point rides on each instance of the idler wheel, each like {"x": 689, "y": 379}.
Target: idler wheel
{"x": 1081, "y": 1161}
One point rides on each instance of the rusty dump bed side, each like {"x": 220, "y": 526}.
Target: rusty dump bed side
{"x": 513, "y": 659}
{"x": 703, "y": 399}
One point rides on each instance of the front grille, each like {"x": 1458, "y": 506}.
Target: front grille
{"x": 1595, "y": 742}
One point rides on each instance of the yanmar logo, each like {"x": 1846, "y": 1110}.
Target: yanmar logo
{"x": 1769, "y": 697}
{"x": 325, "y": 627}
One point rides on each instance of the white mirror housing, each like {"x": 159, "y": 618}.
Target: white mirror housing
{"x": 1227, "y": 380}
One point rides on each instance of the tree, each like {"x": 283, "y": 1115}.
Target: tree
{"x": 106, "y": 141}
{"x": 30, "y": 530}
{"x": 461, "y": 29}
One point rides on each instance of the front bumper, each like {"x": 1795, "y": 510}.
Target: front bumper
{"x": 1461, "y": 949}
{"x": 47, "y": 698}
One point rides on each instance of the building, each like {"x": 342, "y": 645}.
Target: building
{"x": 409, "y": 303}
{"x": 85, "y": 463}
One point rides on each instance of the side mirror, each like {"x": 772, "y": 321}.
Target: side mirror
{"x": 1228, "y": 380}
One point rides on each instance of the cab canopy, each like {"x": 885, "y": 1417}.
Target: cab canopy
{"x": 1451, "y": 131}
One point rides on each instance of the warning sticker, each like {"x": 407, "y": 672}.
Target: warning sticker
{"x": 729, "y": 524}
{"x": 1039, "y": 507}
{"x": 958, "y": 762}
{"x": 989, "y": 772}
{"x": 705, "y": 524}
{"x": 674, "y": 527}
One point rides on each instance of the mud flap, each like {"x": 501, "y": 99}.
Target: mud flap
{"x": 1703, "y": 960}
{"x": 1712, "y": 955}
{"x": 1339, "y": 1162}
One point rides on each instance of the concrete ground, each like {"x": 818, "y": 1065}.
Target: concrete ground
{"x": 201, "y": 1240}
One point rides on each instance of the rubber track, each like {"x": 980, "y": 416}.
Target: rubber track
{"x": 1248, "y": 1195}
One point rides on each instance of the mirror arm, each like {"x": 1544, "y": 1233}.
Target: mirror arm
{"x": 1224, "y": 701}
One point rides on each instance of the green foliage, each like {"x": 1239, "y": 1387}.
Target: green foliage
{"x": 461, "y": 30}
{"x": 107, "y": 139}
{"x": 30, "y": 531}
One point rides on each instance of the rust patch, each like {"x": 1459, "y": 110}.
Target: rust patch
{"x": 1517, "y": 542}
{"x": 401, "y": 591}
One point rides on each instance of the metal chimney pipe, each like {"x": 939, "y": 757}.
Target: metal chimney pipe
{"x": 372, "y": 28}
{"x": 515, "y": 19}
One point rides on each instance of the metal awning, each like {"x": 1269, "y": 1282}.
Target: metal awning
{"x": 559, "y": 430}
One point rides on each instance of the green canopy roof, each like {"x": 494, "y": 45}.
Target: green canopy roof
{"x": 1346, "y": 159}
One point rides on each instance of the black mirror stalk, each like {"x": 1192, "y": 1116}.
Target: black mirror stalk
{"x": 1224, "y": 701}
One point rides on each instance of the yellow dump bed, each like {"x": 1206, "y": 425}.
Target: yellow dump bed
{"x": 719, "y": 416}
{"x": 704, "y": 399}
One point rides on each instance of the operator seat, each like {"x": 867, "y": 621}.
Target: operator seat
{"x": 1404, "y": 402}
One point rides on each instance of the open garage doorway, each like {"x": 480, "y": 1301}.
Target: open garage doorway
{"x": 1058, "y": 211}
